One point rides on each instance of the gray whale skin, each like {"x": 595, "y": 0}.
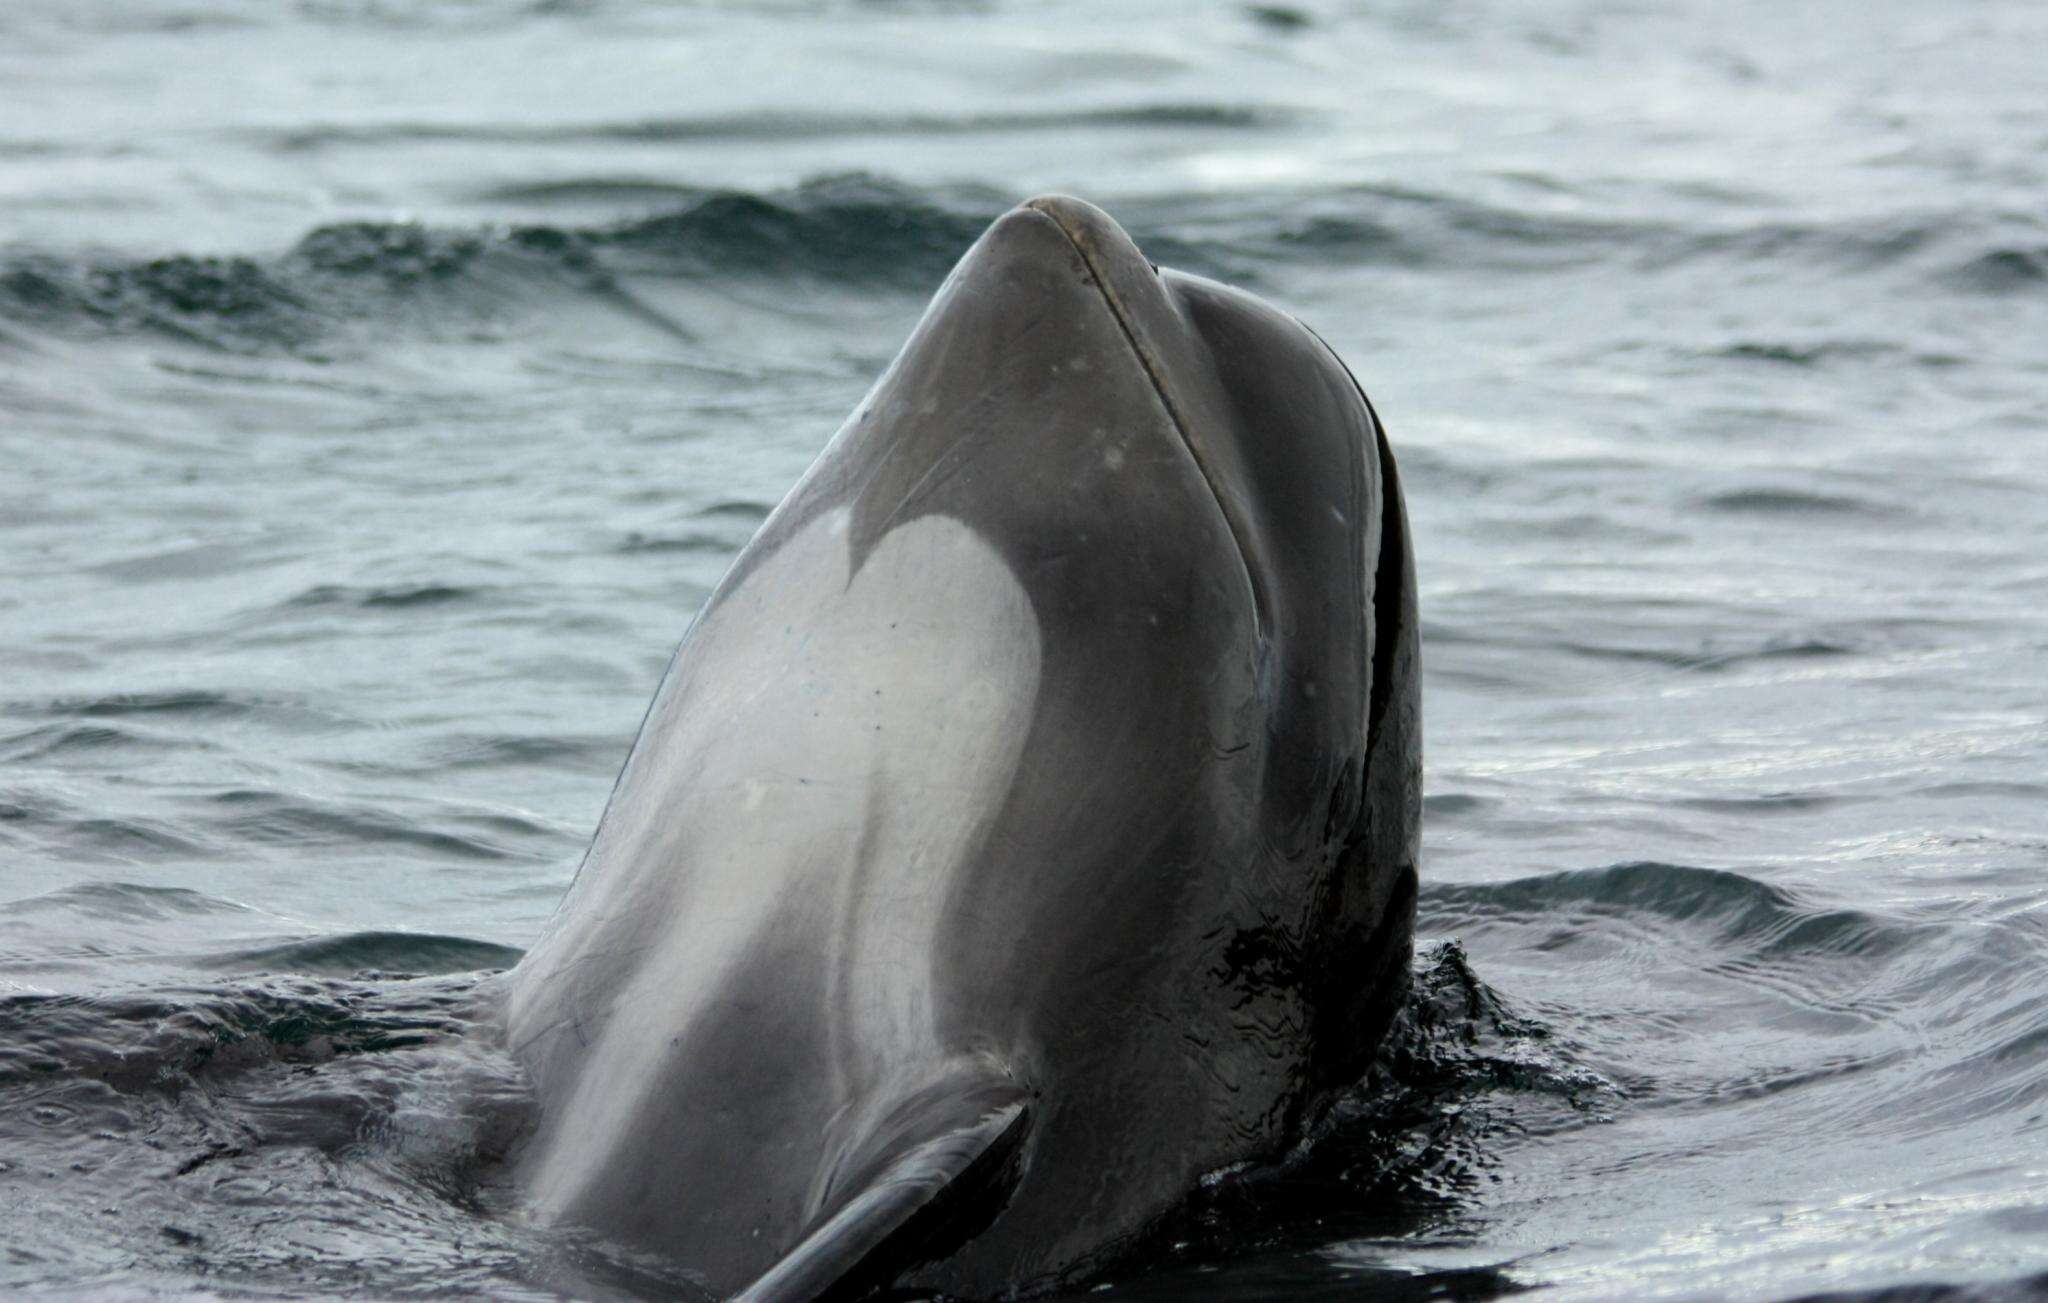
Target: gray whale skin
{"x": 1026, "y": 827}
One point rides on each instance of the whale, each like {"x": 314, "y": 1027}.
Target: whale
{"x": 1025, "y": 830}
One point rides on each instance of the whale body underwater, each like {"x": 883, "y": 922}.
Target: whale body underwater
{"x": 1026, "y": 827}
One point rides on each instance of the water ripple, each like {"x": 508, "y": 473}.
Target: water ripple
{"x": 861, "y": 229}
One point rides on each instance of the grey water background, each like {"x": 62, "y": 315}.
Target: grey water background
{"x": 383, "y": 383}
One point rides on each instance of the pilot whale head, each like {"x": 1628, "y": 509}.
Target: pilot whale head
{"x": 1026, "y": 827}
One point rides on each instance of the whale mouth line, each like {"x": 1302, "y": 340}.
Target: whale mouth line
{"x": 1049, "y": 208}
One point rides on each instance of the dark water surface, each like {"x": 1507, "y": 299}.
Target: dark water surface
{"x": 383, "y": 383}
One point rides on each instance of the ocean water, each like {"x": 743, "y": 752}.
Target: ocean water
{"x": 383, "y": 383}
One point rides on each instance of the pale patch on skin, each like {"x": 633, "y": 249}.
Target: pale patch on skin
{"x": 824, "y": 737}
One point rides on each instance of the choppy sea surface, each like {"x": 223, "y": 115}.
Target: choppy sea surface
{"x": 383, "y": 384}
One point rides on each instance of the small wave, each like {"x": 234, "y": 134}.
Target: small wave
{"x": 1385, "y": 224}
{"x": 485, "y": 751}
{"x": 726, "y": 528}
{"x": 401, "y": 256}
{"x": 395, "y": 597}
{"x": 1777, "y": 649}
{"x": 1858, "y": 244}
{"x": 1767, "y": 803}
{"x": 131, "y": 1040}
{"x": 133, "y": 929}
{"x": 861, "y": 229}
{"x": 591, "y": 190}
{"x": 336, "y": 277}
{"x": 225, "y": 303}
{"x": 1280, "y": 18}
{"x": 384, "y": 954}
{"x": 1405, "y": 226}
{"x": 1712, "y": 658}
{"x": 2005, "y": 1073}
{"x": 1352, "y": 238}
{"x": 246, "y": 815}
{"x": 754, "y": 511}
{"x": 639, "y": 542}
{"x": 783, "y": 126}
{"x": 1796, "y": 503}
{"x": 193, "y": 703}
{"x": 63, "y": 833}
{"x": 1818, "y": 354}
{"x": 1806, "y": 355}
{"x": 1675, "y": 891}
{"x": 127, "y": 902}
{"x": 2003, "y": 271}
{"x": 1379, "y": 224}
{"x": 97, "y": 931}
{"x": 2030, "y": 793}
{"x": 79, "y": 741}
{"x": 206, "y": 559}
{"x": 1450, "y": 805}
{"x": 852, "y": 228}
{"x": 130, "y": 714}
{"x": 1737, "y": 911}
{"x": 422, "y": 595}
